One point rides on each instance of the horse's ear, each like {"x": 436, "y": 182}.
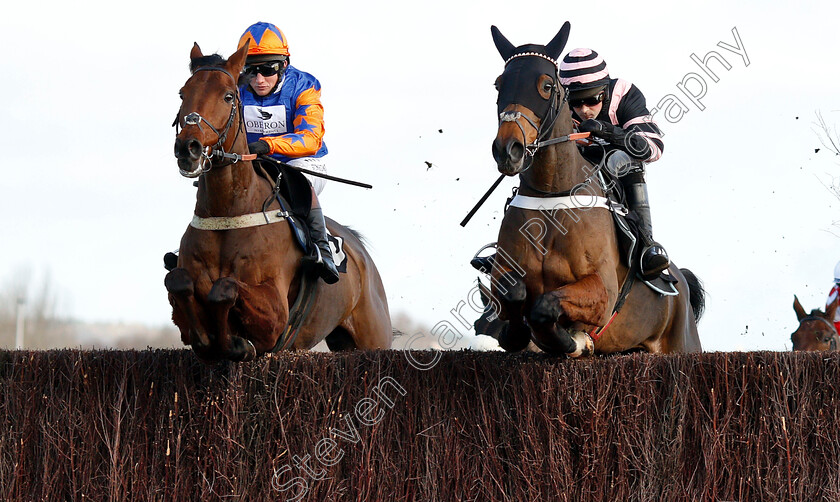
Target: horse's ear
{"x": 504, "y": 47}
{"x": 831, "y": 310}
{"x": 797, "y": 307}
{"x": 555, "y": 48}
{"x": 237, "y": 61}
{"x": 195, "y": 53}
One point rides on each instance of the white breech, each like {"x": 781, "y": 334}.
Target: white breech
{"x": 312, "y": 164}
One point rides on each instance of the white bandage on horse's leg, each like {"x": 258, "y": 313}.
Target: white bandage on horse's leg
{"x": 584, "y": 345}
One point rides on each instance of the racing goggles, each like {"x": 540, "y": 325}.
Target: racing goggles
{"x": 590, "y": 101}
{"x": 264, "y": 69}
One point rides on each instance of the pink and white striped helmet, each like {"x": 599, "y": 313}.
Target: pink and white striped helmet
{"x": 583, "y": 69}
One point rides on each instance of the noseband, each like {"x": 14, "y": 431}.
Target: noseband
{"x": 217, "y": 150}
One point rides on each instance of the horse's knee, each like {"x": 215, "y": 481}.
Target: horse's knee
{"x": 546, "y": 310}
{"x": 224, "y": 290}
{"x": 178, "y": 282}
{"x": 514, "y": 289}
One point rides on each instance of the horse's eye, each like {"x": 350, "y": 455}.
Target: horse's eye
{"x": 181, "y": 95}
{"x": 497, "y": 83}
{"x": 548, "y": 86}
{"x": 229, "y": 97}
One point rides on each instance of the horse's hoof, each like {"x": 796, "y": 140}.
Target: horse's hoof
{"x": 546, "y": 310}
{"x": 242, "y": 349}
{"x": 250, "y": 351}
{"x": 513, "y": 342}
{"x": 555, "y": 340}
{"x": 199, "y": 340}
{"x": 224, "y": 290}
{"x": 178, "y": 282}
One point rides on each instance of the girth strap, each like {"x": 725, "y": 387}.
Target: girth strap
{"x": 242, "y": 221}
{"x": 566, "y": 202}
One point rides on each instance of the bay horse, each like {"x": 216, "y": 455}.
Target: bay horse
{"x": 558, "y": 270}
{"x": 233, "y": 286}
{"x": 816, "y": 331}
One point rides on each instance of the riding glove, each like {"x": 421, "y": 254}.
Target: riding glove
{"x": 630, "y": 142}
{"x": 259, "y": 147}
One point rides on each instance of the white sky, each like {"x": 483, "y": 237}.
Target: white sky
{"x": 91, "y": 193}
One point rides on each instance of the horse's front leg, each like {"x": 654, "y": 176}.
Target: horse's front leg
{"x": 220, "y": 300}
{"x": 262, "y": 312}
{"x": 184, "y": 308}
{"x": 515, "y": 333}
{"x": 583, "y": 302}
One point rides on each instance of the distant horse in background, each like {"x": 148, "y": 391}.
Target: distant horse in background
{"x": 239, "y": 268}
{"x": 560, "y": 289}
{"x": 816, "y": 330}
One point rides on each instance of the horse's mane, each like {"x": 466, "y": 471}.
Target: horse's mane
{"x": 213, "y": 60}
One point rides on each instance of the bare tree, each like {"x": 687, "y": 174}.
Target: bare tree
{"x": 827, "y": 135}
{"x": 830, "y": 140}
{"x": 39, "y": 301}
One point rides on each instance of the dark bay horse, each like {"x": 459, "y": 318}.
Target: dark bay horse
{"x": 558, "y": 270}
{"x": 233, "y": 286}
{"x": 816, "y": 330}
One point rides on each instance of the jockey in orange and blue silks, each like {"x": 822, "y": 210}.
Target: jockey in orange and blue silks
{"x": 282, "y": 105}
{"x": 614, "y": 110}
{"x": 284, "y": 118}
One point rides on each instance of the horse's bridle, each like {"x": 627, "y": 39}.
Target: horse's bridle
{"x": 832, "y": 345}
{"x": 217, "y": 150}
{"x": 547, "y": 122}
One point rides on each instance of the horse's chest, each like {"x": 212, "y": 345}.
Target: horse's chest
{"x": 557, "y": 244}
{"x": 246, "y": 256}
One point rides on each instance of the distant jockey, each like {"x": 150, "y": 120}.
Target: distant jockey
{"x": 284, "y": 118}
{"x": 832, "y": 296}
{"x": 614, "y": 110}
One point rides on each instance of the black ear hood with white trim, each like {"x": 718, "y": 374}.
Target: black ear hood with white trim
{"x": 524, "y": 65}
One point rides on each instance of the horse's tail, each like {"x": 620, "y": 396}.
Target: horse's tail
{"x": 696, "y": 293}
{"x": 358, "y": 235}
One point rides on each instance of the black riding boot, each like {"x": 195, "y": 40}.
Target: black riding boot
{"x": 324, "y": 259}
{"x": 654, "y": 257}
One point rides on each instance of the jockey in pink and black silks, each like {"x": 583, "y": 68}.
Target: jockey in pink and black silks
{"x": 284, "y": 119}
{"x": 614, "y": 110}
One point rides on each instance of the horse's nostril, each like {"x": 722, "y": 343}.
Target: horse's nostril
{"x": 195, "y": 148}
{"x": 188, "y": 149}
{"x": 515, "y": 151}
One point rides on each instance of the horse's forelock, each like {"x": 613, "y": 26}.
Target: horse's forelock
{"x": 212, "y": 60}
